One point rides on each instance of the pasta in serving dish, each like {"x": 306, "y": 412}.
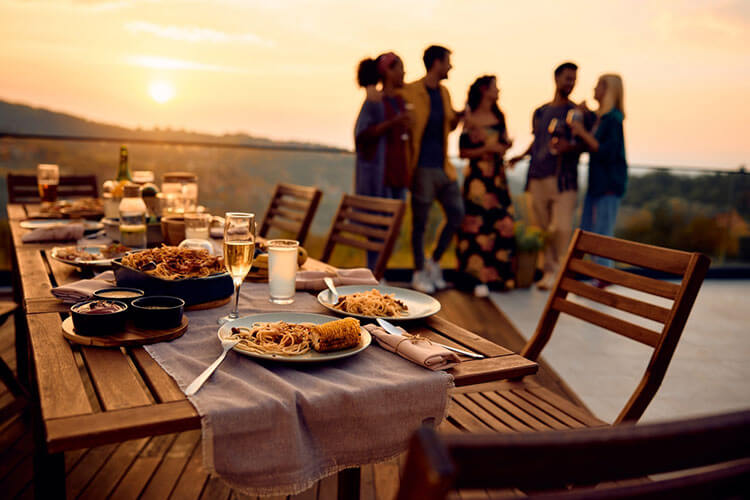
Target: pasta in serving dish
{"x": 173, "y": 263}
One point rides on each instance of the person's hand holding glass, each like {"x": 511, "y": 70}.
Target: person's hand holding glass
{"x": 239, "y": 250}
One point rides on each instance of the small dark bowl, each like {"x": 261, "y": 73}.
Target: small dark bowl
{"x": 102, "y": 294}
{"x": 99, "y": 324}
{"x": 158, "y": 312}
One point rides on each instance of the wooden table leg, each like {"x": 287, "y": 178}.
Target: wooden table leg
{"x": 22, "y": 349}
{"x": 349, "y": 480}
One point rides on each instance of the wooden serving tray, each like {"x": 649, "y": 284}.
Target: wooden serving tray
{"x": 131, "y": 336}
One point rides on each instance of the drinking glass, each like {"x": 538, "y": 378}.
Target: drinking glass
{"x": 239, "y": 251}
{"x": 48, "y": 177}
{"x": 282, "y": 270}
{"x": 197, "y": 226}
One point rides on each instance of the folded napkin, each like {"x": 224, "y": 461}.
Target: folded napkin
{"x": 313, "y": 280}
{"x": 56, "y": 232}
{"x": 84, "y": 289}
{"x": 416, "y": 349}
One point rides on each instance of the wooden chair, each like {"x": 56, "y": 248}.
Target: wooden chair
{"x": 368, "y": 223}
{"x": 24, "y": 189}
{"x": 613, "y": 462}
{"x": 526, "y": 405}
{"x": 291, "y": 209}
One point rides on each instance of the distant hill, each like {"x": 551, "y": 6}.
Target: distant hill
{"x": 23, "y": 119}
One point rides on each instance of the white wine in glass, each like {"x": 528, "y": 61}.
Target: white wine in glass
{"x": 239, "y": 250}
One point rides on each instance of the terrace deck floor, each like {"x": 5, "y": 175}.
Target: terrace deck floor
{"x": 170, "y": 466}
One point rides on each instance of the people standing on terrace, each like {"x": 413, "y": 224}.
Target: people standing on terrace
{"x": 381, "y": 132}
{"x": 552, "y": 179}
{"x": 486, "y": 241}
{"x": 433, "y": 176}
{"x": 608, "y": 168}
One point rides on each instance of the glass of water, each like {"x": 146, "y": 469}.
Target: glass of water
{"x": 282, "y": 270}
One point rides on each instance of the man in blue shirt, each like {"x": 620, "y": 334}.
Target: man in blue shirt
{"x": 552, "y": 179}
{"x": 433, "y": 176}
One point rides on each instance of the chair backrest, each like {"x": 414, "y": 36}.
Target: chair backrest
{"x": 24, "y": 189}
{"x": 291, "y": 209}
{"x": 689, "y": 268}
{"x": 544, "y": 464}
{"x": 368, "y": 223}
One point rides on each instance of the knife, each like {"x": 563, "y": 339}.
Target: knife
{"x": 393, "y": 330}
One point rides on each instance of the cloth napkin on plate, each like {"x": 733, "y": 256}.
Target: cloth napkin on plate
{"x": 84, "y": 289}
{"x": 313, "y": 280}
{"x": 414, "y": 348}
{"x": 56, "y": 232}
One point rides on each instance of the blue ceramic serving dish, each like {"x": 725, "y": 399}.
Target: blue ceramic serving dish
{"x": 191, "y": 290}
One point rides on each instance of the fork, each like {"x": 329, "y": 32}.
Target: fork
{"x": 196, "y": 384}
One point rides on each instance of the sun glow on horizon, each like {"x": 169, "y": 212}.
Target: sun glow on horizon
{"x": 161, "y": 91}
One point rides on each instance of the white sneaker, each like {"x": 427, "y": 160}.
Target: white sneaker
{"x": 547, "y": 281}
{"x": 435, "y": 274}
{"x": 481, "y": 291}
{"x": 421, "y": 282}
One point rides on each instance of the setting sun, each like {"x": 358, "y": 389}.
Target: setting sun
{"x": 161, "y": 91}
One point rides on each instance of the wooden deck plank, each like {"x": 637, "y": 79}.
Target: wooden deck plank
{"x": 85, "y": 470}
{"x": 166, "y": 476}
{"x": 193, "y": 478}
{"x": 54, "y": 363}
{"x": 114, "y": 469}
{"x": 115, "y": 383}
{"x": 143, "y": 467}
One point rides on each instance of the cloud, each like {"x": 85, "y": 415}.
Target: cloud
{"x": 157, "y": 62}
{"x": 195, "y": 34}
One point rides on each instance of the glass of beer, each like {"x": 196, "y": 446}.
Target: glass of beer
{"x": 282, "y": 270}
{"x": 48, "y": 178}
{"x": 239, "y": 251}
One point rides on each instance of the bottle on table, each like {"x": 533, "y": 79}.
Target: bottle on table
{"x": 123, "y": 171}
{"x": 133, "y": 229}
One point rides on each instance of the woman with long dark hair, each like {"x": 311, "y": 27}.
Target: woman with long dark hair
{"x": 381, "y": 133}
{"x": 486, "y": 242}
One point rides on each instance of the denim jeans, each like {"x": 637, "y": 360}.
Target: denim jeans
{"x": 432, "y": 184}
{"x": 599, "y": 216}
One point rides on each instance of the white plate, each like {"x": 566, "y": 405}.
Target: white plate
{"x": 88, "y": 225}
{"x": 419, "y": 305}
{"x": 83, "y": 263}
{"x": 311, "y": 356}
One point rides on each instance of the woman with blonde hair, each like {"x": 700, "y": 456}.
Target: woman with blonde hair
{"x": 608, "y": 169}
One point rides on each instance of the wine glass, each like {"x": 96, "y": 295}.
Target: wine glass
{"x": 239, "y": 250}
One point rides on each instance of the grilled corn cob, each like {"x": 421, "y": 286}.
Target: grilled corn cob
{"x": 336, "y": 335}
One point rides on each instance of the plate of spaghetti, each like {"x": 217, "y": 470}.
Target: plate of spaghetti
{"x": 174, "y": 263}
{"x": 296, "y": 337}
{"x": 393, "y": 303}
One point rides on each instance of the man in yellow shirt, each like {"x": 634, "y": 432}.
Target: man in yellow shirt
{"x": 433, "y": 176}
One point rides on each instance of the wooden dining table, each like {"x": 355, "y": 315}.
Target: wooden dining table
{"x": 89, "y": 396}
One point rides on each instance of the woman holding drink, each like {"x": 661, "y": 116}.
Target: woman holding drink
{"x": 381, "y": 132}
{"x": 608, "y": 168}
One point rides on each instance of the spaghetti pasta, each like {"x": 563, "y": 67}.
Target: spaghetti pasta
{"x": 173, "y": 263}
{"x": 372, "y": 303}
{"x": 280, "y": 337}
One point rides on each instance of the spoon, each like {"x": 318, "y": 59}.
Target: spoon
{"x": 332, "y": 288}
{"x": 196, "y": 384}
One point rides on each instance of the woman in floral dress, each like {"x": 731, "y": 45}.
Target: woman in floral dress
{"x": 486, "y": 243}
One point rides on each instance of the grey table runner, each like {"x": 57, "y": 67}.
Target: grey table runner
{"x": 275, "y": 429}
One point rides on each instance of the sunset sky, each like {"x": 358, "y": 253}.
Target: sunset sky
{"x": 286, "y": 69}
